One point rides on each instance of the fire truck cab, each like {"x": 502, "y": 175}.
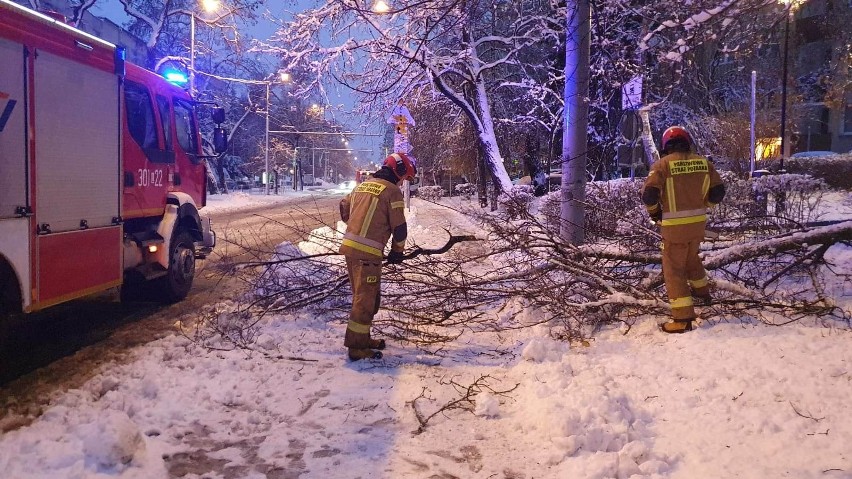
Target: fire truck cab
{"x": 101, "y": 169}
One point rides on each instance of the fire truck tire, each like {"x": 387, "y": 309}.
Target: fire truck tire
{"x": 131, "y": 289}
{"x": 175, "y": 285}
{"x": 10, "y": 306}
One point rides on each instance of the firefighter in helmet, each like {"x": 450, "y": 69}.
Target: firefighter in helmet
{"x": 677, "y": 192}
{"x": 373, "y": 212}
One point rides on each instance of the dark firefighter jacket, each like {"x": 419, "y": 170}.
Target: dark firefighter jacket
{"x": 684, "y": 185}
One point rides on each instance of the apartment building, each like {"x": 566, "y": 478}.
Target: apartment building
{"x": 820, "y": 76}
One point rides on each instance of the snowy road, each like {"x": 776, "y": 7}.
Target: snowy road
{"x": 56, "y": 349}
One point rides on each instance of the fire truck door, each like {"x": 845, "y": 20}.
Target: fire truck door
{"x": 14, "y": 202}
{"x": 77, "y": 133}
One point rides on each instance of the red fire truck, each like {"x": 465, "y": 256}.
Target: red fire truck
{"x": 361, "y": 175}
{"x": 101, "y": 170}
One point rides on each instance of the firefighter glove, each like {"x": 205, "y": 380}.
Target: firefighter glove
{"x": 395, "y": 257}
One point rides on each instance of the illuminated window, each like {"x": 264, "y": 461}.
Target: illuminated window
{"x": 767, "y": 148}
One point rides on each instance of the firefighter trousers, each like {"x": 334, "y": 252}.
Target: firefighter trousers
{"x": 365, "y": 277}
{"x": 684, "y": 276}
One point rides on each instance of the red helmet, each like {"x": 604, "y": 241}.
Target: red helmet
{"x": 403, "y": 165}
{"x": 675, "y": 133}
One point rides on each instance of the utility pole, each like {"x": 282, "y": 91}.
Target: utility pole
{"x": 266, "y": 139}
{"x": 575, "y": 133}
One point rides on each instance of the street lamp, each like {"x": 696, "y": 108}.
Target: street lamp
{"x": 380, "y": 6}
{"x": 285, "y": 77}
{"x": 208, "y": 6}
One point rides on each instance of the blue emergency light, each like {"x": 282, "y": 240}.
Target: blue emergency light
{"x": 176, "y": 76}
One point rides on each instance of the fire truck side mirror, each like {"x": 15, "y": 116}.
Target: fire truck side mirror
{"x": 220, "y": 139}
{"x": 218, "y": 115}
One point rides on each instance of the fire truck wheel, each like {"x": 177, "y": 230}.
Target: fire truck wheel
{"x": 4, "y": 337}
{"x": 177, "y": 283}
{"x": 10, "y": 307}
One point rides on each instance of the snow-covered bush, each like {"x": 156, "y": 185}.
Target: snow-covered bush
{"x": 739, "y": 201}
{"x": 466, "y": 190}
{"x": 802, "y": 194}
{"x": 835, "y": 170}
{"x": 549, "y": 208}
{"x": 430, "y": 193}
{"x": 613, "y": 208}
{"x": 759, "y": 197}
{"x": 517, "y": 200}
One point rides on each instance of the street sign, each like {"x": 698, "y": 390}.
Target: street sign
{"x": 631, "y": 94}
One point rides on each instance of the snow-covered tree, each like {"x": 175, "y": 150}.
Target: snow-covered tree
{"x": 464, "y": 50}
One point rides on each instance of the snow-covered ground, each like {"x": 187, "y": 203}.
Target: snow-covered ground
{"x": 729, "y": 400}
{"x": 240, "y": 200}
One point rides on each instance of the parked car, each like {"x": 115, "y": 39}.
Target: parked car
{"x": 347, "y": 186}
{"x": 812, "y": 154}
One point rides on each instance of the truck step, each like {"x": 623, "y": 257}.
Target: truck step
{"x": 146, "y": 238}
{"x": 151, "y": 271}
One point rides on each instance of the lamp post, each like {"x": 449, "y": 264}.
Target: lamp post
{"x": 266, "y": 152}
{"x": 285, "y": 77}
{"x": 784, "y": 82}
{"x": 208, "y": 6}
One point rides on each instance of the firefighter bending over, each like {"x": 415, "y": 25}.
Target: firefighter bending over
{"x": 678, "y": 191}
{"x": 373, "y": 213}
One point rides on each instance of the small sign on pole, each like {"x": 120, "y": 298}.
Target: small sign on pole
{"x": 631, "y": 94}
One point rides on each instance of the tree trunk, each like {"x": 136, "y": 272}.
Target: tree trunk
{"x": 651, "y": 153}
{"x": 479, "y": 112}
{"x": 488, "y": 141}
{"x": 575, "y": 137}
{"x": 482, "y": 184}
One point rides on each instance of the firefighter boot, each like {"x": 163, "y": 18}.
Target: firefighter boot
{"x": 702, "y": 300}
{"x": 358, "y": 354}
{"x": 677, "y": 326}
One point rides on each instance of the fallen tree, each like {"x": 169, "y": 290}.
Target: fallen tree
{"x": 522, "y": 270}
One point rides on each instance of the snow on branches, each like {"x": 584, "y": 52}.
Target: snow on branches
{"x": 773, "y": 270}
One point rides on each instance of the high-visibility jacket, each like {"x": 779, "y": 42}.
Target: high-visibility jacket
{"x": 371, "y": 212}
{"x": 684, "y": 182}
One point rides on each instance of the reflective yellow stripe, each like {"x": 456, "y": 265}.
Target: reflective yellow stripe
{"x": 698, "y": 283}
{"x": 681, "y": 302}
{"x": 670, "y": 194}
{"x": 362, "y": 247}
{"x": 358, "y": 327}
{"x": 397, "y": 204}
{"x": 369, "y": 218}
{"x": 706, "y": 186}
{"x": 685, "y": 213}
{"x": 363, "y": 240}
{"x": 684, "y": 221}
